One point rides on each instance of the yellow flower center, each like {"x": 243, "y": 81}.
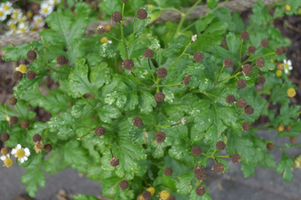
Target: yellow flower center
{"x": 104, "y": 40}
{"x": 22, "y": 68}
{"x": 6, "y": 7}
{"x": 1, "y": 13}
{"x": 108, "y": 28}
{"x": 12, "y": 26}
{"x": 278, "y": 73}
{"x": 39, "y": 20}
{"x": 280, "y": 128}
{"x": 22, "y": 30}
{"x": 287, "y": 8}
{"x": 22, "y": 20}
{"x": 29, "y": 14}
{"x": 286, "y": 66}
{"x": 291, "y": 92}
{"x": 45, "y": 10}
{"x": 151, "y": 190}
{"x": 20, "y": 153}
{"x": 164, "y": 194}
{"x": 4, "y": 151}
{"x": 8, "y": 162}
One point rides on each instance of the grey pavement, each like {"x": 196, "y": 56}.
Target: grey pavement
{"x": 266, "y": 184}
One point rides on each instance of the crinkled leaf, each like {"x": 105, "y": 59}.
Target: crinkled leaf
{"x": 33, "y": 179}
{"x": 284, "y": 166}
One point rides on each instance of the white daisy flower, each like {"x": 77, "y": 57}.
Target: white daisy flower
{"x": 16, "y": 14}
{"x": 23, "y": 28}
{"x": 2, "y": 14}
{"x": 287, "y": 66}
{"x": 21, "y": 153}
{"x": 7, "y": 160}
{"x": 7, "y": 7}
{"x": 38, "y": 20}
{"x": 46, "y": 8}
{"x": 22, "y": 19}
{"x": 54, "y": 1}
{"x": 12, "y": 24}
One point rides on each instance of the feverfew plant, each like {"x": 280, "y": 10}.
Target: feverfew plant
{"x": 144, "y": 113}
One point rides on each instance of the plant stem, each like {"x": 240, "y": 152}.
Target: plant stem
{"x": 151, "y": 70}
{"x": 214, "y": 95}
{"x": 173, "y": 64}
{"x": 170, "y": 85}
{"x": 121, "y": 29}
{"x": 241, "y": 43}
{"x": 136, "y": 27}
{"x": 219, "y": 74}
{"x": 229, "y": 77}
{"x": 107, "y": 34}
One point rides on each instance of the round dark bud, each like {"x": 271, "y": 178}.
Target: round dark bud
{"x": 4, "y": 151}
{"x": 196, "y": 151}
{"x": 249, "y": 110}
{"x": 244, "y": 35}
{"x": 160, "y": 136}
{"x": 247, "y": 69}
{"x": 24, "y": 124}
{"x": 270, "y": 146}
{"x": 124, "y": 185}
{"x": 241, "y": 83}
{"x": 100, "y": 131}
{"x": 287, "y": 128}
{"x": 198, "y": 57}
{"x": 251, "y": 49}
{"x": 293, "y": 139}
{"x": 31, "y": 55}
{"x": 168, "y": 171}
{"x": 13, "y": 120}
{"x": 279, "y": 51}
{"x": 197, "y": 169}
{"x": 230, "y": 99}
{"x": 228, "y": 62}
{"x": 201, "y": 175}
{"x": 4, "y": 136}
{"x": 147, "y": 195}
{"x": 114, "y": 162}
{"x": 186, "y": 80}
{"x": 261, "y": 80}
{"x": 148, "y": 53}
{"x": 17, "y": 75}
{"x": 101, "y": 29}
{"x": 116, "y": 17}
{"x": 241, "y": 103}
{"x": 260, "y": 62}
{"x": 200, "y": 191}
{"x": 36, "y": 138}
{"x": 30, "y": 75}
{"x": 171, "y": 197}
{"x": 61, "y": 60}
{"x": 159, "y": 97}
{"x": 218, "y": 167}
{"x": 235, "y": 158}
{"x": 162, "y": 73}
{"x": 128, "y": 64}
{"x": 137, "y": 121}
{"x": 13, "y": 101}
{"x": 245, "y": 126}
{"x": 220, "y": 145}
{"x": 264, "y": 43}
{"x": 141, "y": 14}
{"x": 284, "y": 49}
{"x": 48, "y": 148}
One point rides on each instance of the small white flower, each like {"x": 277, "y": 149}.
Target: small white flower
{"x": 183, "y": 120}
{"x": 2, "y": 14}
{"x": 7, "y": 7}
{"x": 21, "y": 153}
{"x": 16, "y": 14}
{"x": 38, "y": 20}
{"x": 110, "y": 41}
{"x": 22, "y": 19}
{"x": 4, "y": 157}
{"x": 46, "y": 8}
{"x": 193, "y": 38}
{"x": 287, "y": 66}
{"x": 23, "y": 28}
{"x": 54, "y": 1}
{"x": 7, "y": 160}
{"x": 12, "y": 24}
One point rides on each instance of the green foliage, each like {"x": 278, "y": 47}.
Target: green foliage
{"x": 97, "y": 91}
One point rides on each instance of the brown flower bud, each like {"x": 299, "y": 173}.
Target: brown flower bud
{"x": 36, "y": 138}
{"x": 264, "y": 43}
{"x": 159, "y": 97}
{"x": 17, "y": 75}
{"x": 228, "y": 62}
{"x": 220, "y": 145}
{"x": 61, "y": 60}
{"x": 261, "y": 80}
{"x": 4, "y": 136}
{"x": 218, "y": 167}
{"x": 186, "y": 80}
{"x": 24, "y": 124}
{"x": 260, "y": 62}
{"x": 101, "y": 29}
{"x": 128, "y": 64}
{"x": 244, "y": 35}
{"x": 13, "y": 101}
{"x": 114, "y": 162}
{"x": 293, "y": 139}
{"x": 230, "y": 99}
{"x": 31, "y": 55}
{"x": 198, "y": 57}
{"x": 196, "y": 151}
{"x": 123, "y": 185}
{"x": 141, "y": 14}
{"x": 247, "y": 69}
{"x": 241, "y": 103}
{"x": 168, "y": 171}
{"x": 148, "y": 53}
{"x": 30, "y": 75}
{"x": 287, "y": 128}
{"x": 270, "y": 146}
{"x": 245, "y": 126}
{"x": 100, "y": 131}
{"x": 13, "y": 120}
{"x": 160, "y": 136}
{"x": 251, "y": 49}
{"x": 235, "y": 158}
{"x": 162, "y": 73}
{"x": 249, "y": 110}
{"x": 241, "y": 83}
{"x": 200, "y": 191}
{"x": 48, "y": 148}
{"x": 137, "y": 121}
{"x": 279, "y": 51}
{"x": 116, "y": 17}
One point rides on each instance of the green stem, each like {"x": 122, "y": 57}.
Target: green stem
{"x": 19, "y": 110}
{"x": 170, "y": 85}
{"x": 214, "y": 95}
{"x": 241, "y": 43}
{"x": 268, "y": 54}
{"x": 154, "y": 79}
{"x": 229, "y": 77}
{"x": 173, "y": 64}
{"x": 136, "y": 27}
{"x": 222, "y": 156}
{"x": 219, "y": 74}
{"x": 184, "y": 17}
{"x": 107, "y": 34}
{"x": 121, "y": 29}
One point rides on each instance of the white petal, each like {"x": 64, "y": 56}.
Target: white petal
{"x": 18, "y": 146}
{"x": 285, "y": 61}
{"x": 289, "y": 62}
{"x": 290, "y": 68}
{"x": 14, "y": 151}
{"x": 21, "y": 160}
{"x": 285, "y": 70}
{"x": 27, "y": 152}
{"x": 25, "y": 158}
{"x": 3, "y": 157}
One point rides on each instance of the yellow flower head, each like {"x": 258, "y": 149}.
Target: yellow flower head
{"x": 278, "y": 73}
{"x": 29, "y": 14}
{"x": 291, "y": 92}
{"x": 22, "y": 68}
{"x": 4, "y": 151}
{"x": 8, "y": 162}
{"x": 104, "y": 40}
{"x": 108, "y": 28}
{"x": 280, "y": 128}
{"x": 164, "y": 194}
{"x": 280, "y": 66}
{"x": 287, "y": 8}
{"x": 151, "y": 190}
